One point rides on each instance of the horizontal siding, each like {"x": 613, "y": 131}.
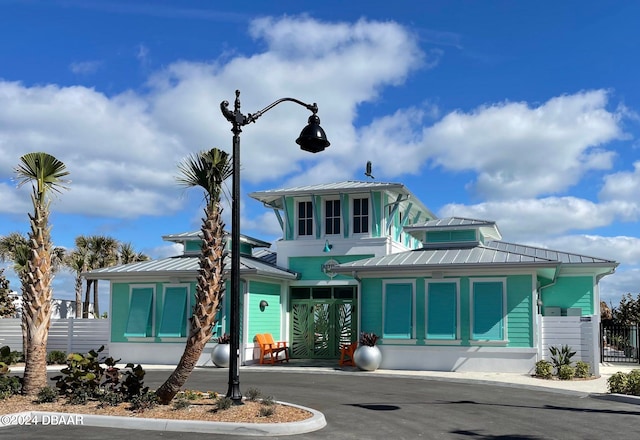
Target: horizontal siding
{"x": 519, "y": 313}
{"x": 569, "y": 330}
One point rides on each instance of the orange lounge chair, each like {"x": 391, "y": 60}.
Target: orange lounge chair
{"x": 272, "y": 349}
{"x": 346, "y": 354}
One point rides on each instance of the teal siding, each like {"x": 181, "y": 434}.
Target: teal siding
{"x": 119, "y": 311}
{"x": 488, "y": 313}
{"x": 442, "y": 311}
{"x": 570, "y": 292}
{"x": 520, "y": 312}
{"x": 310, "y": 268}
{"x": 267, "y": 321}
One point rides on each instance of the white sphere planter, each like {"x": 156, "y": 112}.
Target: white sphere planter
{"x": 220, "y": 355}
{"x": 367, "y": 358}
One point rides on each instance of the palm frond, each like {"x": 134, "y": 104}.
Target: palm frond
{"x": 44, "y": 170}
{"x": 206, "y": 169}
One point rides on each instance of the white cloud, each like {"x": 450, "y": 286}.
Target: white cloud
{"x": 529, "y": 218}
{"x": 624, "y": 250}
{"x": 622, "y": 185}
{"x": 523, "y": 151}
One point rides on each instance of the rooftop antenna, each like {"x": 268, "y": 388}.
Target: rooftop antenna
{"x": 368, "y": 170}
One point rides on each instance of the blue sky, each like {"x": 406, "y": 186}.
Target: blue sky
{"x": 525, "y": 113}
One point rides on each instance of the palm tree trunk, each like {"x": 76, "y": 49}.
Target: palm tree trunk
{"x": 96, "y": 307}
{"x": 87, "y": 297}
{"x": 37, "y": 302}
{"x": 209, "y": 294}
{"x": 78, "y": 297}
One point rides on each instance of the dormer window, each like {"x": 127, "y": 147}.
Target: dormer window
{"x": 305, "y": 219}
{"x": 361, "y": 216}
{"x": 332, "y": 217}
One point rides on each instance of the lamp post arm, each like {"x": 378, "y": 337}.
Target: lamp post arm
{"x": 239, "y": 120}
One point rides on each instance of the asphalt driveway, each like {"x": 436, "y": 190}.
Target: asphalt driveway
{"x": 374, "y": 407}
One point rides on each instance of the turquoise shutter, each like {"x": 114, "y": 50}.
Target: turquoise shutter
{"x": 398, "y": 311}
{"x": 488, "y": 313}
{"x": 173, "y": 324}
{"x": 139, "y": 320}
{"x": 442, "y": 311}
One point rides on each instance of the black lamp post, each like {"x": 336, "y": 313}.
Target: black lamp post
{"x": 312, "y": 139}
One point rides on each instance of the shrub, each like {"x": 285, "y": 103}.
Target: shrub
{"x": 9, "y": 357}
{"x": 56, "y": 357}
{"x": 110, "y": 398}
{"x": 9, "y": 385}
{"x": 561, "y": 356}
{"x": 583, "y": 369}
{"x": 81, "y": 376}
{"x": 618, "y": 383}
{"x": 144, "y": 402}
{"x": 266, "y": 411}
{"x": 224, "y": 339}
{"x": 368, "y": 339}
{"x": 566, "y": 372}
{"x": 544, "y": 369}
{"x": 192, "y": 395}
{"x": 253, "y": 394}
{"x": 633, "y": 382}
{"x": 181, "y": 403}
{"x": 224, "y": 403}
{"x": 268, "y": 401}
{"x": 47, "y": 395}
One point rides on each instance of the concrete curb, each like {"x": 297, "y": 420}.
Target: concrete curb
{"x": 623, "y": 398}
{"x": 316, "y": 422}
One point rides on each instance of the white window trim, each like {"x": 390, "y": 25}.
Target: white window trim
{"x": 352, "y": 215}
{"x": 153, "y": 311}
{"x": 324, "y": 216}
{"x": 187, "y": 309}
{"x": 458, "y": 339}
{"x": 312, "y": 235}
{"x": 411, "y": 281}
{"x": 504, "y": 339}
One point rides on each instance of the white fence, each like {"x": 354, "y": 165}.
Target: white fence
{"x": 579, "y": 333}
{"x": 68, "y": 335}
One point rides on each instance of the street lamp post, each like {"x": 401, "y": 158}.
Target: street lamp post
{"x": 312, "y": 139}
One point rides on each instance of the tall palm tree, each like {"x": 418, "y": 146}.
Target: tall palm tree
{"x": 103, "y": 253}
{"x": 76, "y": 260}
{"x": 45, "y": 173}
{"x": 208, "y": 170}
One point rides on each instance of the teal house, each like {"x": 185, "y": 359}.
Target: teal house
{"x": 442, "y": 294}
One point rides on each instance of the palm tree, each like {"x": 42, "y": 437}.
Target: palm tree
{"x": 208, "y": 170}
{"x": 45, "y": 173}
{"x": 127, "y": 254}
{"x": 76, "y": 260}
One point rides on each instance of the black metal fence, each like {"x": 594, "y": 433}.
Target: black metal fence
{"x": 619, "y": 343}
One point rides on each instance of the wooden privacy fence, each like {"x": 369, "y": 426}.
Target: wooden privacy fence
{"x": 581, "y": 333}
{"x": 68, "y": 335}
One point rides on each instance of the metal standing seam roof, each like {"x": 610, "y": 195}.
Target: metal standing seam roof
{"x": 563, "y": 257}
{"x": 421, "y": 258}
{"x": 186, "y": 265}
{"x": 197, "y": 235}
{"x": 348, "y": 186}
{"x": 451, "y": 222}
